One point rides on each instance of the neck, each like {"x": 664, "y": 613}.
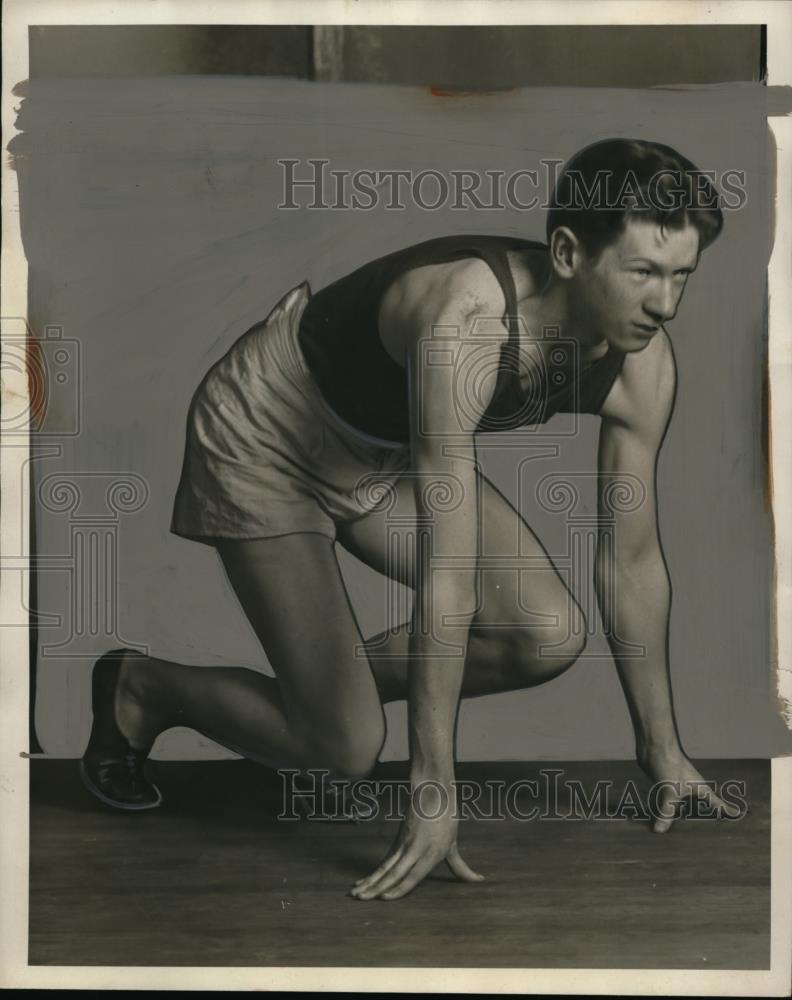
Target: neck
{"x": 549, "y": 306}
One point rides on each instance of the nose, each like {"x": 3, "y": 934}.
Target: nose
{"x": 661, "y": 305}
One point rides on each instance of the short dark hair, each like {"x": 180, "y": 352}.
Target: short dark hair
{"x": 610, "y": 181}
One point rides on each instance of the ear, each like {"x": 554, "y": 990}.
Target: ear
{"x": 566, "y": 252}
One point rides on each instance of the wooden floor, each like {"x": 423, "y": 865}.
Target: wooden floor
{"x": 214, "y": 879}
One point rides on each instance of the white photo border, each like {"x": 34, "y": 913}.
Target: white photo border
{"x": 18, "y": 15}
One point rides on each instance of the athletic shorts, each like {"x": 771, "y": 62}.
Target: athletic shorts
{"x": 265, "y": 455}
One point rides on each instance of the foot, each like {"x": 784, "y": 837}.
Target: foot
{"x": 683, "y": 783}
{"x": 112, "y": 768}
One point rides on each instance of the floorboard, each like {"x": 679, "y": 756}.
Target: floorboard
{"x": 215, "y": 879}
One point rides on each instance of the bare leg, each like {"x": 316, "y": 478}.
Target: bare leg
{"x": 487, "y": 671}
{"x": 155, "y": 695}
{"x": 322, "y": 711}
{"x": 508, "y": 658}
{"x": 529, "y": 628}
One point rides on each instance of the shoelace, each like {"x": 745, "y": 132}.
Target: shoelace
{"x": 132, "y": 761}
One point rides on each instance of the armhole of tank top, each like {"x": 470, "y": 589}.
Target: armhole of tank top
{"x": 611, "y": 373}
{"x": 497, "y": 261}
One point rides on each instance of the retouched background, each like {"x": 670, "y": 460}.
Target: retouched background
{"x": 150, "y": 223}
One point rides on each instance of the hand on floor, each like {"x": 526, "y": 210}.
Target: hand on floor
{"x": 421, "y": 845}
{"x": 681, "y": 782}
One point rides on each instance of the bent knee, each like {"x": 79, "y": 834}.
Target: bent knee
{"x": 543, "y": 653}
{"x": 349, "y": 752}
{"x": 567, "y": 640}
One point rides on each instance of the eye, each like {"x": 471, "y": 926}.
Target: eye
{"x": 644, "y": 271}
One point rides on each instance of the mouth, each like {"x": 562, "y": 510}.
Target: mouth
{"x": 646, "y": 330}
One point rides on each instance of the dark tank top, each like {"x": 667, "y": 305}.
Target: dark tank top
{"x": 360, "y": 381}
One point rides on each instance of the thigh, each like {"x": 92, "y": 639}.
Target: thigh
{"x": 292, "y": 592}
{"x": 519, "y": 586}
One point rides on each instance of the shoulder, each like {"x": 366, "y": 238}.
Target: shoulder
{"x": 643, "y": 394}
{"x": 456, "y": 291}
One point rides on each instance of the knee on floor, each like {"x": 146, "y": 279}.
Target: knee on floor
{"x": 348, "y": 751}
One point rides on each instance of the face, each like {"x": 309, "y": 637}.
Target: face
{"x": 636, "y": 284}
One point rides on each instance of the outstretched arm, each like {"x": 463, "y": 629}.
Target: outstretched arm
{"x": 631, "y": 577}
{"x": 446, "y": 503}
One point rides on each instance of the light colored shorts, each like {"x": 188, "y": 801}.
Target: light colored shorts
{"x": 265, "y": 455}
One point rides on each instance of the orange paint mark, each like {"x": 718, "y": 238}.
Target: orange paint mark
{"x": 37, "y": 381}
{"x": 452, "y": 92}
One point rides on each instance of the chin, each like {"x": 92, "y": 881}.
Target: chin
{"x": 634, "y": 345}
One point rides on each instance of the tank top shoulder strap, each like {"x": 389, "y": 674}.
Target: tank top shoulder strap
{"x": 490, "y": 249}
{"x": 496, "y": 258}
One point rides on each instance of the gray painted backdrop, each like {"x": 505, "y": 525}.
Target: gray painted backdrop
{"x": 151, "y": 228}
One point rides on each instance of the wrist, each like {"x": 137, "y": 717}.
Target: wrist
{"x": 655, "y": 733}
{"x": 432, "y": 796}
{"x": 437, "y": 770}
{"x": 654, "y": 752}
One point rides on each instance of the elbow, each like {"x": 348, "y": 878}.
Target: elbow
{"x": 625, "y": 550}
{"x": 633, "y": 568}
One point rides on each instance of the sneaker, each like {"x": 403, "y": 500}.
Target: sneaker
{"x": 112, "y": 769}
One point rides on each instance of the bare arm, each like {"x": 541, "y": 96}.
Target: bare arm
{"x": 631, "y": 576}
{"x": 446, "y": 502}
